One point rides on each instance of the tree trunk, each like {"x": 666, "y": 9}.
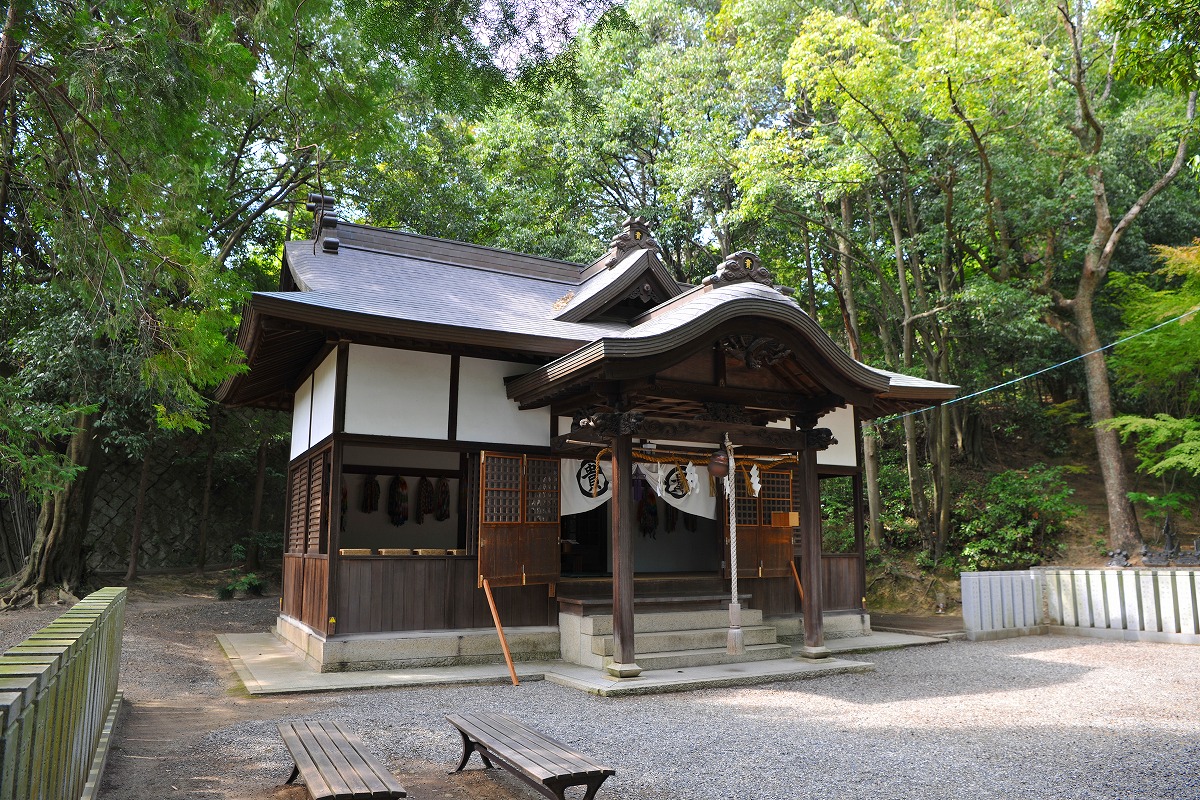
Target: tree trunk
{"x": 942, "y": 497}
{"x": 260, "y": 479}
{"x": 844, "y": 264}
{"x": 1123, "y": 533}
{"x": 56, "y": 558}
{"x": 870, "y": 433}
{"x": 206, "y": 503}
{"x": 139, "y": 515}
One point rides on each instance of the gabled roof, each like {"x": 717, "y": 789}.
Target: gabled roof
{"x": 377, "y": 286}
{"x": 638, "y": 276}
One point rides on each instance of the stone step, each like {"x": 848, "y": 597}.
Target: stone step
{"x": 649, "y": 603}
{"x": 697, "y": 639}
{"x": 680, "y": 659}
{"x": 601, "y": 624}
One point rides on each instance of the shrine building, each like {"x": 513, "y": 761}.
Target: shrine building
{"x": 468, "y": 421}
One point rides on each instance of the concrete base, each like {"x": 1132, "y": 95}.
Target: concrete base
{"x": 1120, "y": 635}
{"x": 268, "y": 666}
{"x": 1007, "y": 633}
{"x": 837, "y": 625}
{"x": 415, "y": 649}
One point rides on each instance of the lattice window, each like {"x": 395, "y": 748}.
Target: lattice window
{"x": 776, "y": 493}
{"x": 502, "y": 490}
{"x": 541, "y": 489}
{"x": 747, "y": 503}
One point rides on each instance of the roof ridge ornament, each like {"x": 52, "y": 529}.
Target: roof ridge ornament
{"x": 635, "y": 235}
{"x": 745, "y": 266}
{"x": 325, "y": 219}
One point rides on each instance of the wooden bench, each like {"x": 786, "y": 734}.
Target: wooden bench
{"x": 334, "y": 763}
{"x": 545, "y": 764}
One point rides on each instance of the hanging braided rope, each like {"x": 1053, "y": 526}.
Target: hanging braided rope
{"x": 731, "y": 492}
{"x": 735, "y": 643}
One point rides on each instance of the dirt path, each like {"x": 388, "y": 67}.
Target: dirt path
{"x": 180, "y": 691}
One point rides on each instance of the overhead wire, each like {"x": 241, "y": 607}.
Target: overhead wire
{"x": 1109, "y": 346}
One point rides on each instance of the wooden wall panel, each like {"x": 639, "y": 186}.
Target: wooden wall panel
{"x": 293, "y": 583}
{"x": 841, "y": 582}
{"x": 314, "y": 605}
{"x": 378, "y": 595}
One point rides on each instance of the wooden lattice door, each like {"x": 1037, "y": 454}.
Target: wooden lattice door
{"x": 518, "y": 519}
{"x": 763, "y": 550}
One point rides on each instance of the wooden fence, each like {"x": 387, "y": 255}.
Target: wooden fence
{"x": 1161, "y": 605}
{"x": 58, "y": 697}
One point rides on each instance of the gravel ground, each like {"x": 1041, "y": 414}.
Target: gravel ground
{"x": 1038, "y": 717}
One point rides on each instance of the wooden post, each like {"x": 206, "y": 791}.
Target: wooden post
{"x": 512, "y": 671}
{"x": 810, "y": 565}
{"x": 623, "y": 523}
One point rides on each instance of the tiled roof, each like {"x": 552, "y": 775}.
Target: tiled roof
{"x": 411, "y": 288}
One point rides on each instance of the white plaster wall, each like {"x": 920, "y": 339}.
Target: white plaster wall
{"x": 844, "y": 453}
{"x": 323, "y": 389}
{"x": 301, "y": 416}
{"x": 485, "y": 414}
{"x": 397, "y": 392}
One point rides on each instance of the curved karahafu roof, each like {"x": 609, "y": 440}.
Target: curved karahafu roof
{"x": 740, "y": 313}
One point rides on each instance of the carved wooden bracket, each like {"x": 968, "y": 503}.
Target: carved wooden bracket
{"x": 609, "y": 424}
{"x": 756, "y": 352}
{"x": 726, "y": 412}
{"x": 819, "y": 438}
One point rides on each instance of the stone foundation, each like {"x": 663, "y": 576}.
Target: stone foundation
{"x": 416, "y": 649}
{"x": 838, "y": 625}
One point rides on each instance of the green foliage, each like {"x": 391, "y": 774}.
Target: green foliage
{"x": 1159, "y": 42}
{"x": 239, "y": 581}
{"x": 1164, "y": 443}
{"x": 1016, "y": 520}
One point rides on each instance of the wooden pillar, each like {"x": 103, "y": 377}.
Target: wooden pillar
{"x": 810, "y": 564}
{"x": 623, "y": 525}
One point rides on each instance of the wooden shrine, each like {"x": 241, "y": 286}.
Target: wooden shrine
{"x": 462, "y": 413}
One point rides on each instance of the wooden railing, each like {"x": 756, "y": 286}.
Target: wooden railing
{"x": 57, "y": 690}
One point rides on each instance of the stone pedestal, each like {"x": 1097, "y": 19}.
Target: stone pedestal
{"x": 618, "y": 670}
{"x": 813, "y": 653}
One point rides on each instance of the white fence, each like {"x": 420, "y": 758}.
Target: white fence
{"x": 1160, "y": 605}
{"x": 997, "y": 605}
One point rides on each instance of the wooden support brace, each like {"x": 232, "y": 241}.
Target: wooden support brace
{"x": 512, "y": 671}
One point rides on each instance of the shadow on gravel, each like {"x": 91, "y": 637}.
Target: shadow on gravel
{"x": 954, "y": 669}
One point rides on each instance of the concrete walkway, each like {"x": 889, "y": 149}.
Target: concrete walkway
{"x": 267, "y": 665}
{"x": 946, "y": 626}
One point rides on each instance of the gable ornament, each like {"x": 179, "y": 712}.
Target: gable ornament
{"x": 745, "y": 266}
{"x": 635, "y": 235}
